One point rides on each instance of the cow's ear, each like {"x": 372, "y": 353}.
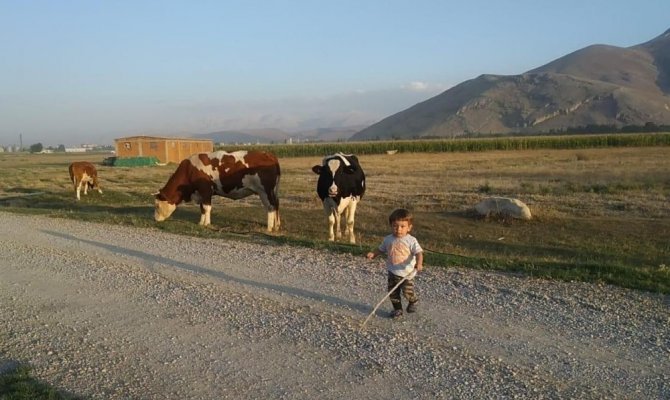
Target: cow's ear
{"x": 317, "y": 169}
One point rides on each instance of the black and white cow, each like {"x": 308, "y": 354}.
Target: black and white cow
{"x": 341, "y": 186}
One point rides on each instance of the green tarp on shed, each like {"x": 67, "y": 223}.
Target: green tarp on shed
{"x": 135, "y": 161}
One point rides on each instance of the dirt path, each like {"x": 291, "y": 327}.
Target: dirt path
{"x": 117, "y": 312}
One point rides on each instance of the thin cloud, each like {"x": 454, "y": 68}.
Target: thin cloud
{"x": 424, "y": 87}
{"x": 417, "y": 86}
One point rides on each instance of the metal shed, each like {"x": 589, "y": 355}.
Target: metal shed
{"x": 166, "y": 149}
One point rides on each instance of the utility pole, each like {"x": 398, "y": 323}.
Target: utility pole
{"x": 20, "y": 141}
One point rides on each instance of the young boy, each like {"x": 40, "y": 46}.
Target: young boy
{"x": 404, "y": 258}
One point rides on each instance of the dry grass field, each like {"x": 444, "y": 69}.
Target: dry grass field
{"x": 599, "y": 215}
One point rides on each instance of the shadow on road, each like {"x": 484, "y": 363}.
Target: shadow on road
{"x": 363, "y": 308}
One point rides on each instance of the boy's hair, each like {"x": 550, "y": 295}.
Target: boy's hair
{"x": 401, "y": 214}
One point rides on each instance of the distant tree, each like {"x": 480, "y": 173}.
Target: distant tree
{"x": 36, "y": 148}
{"x": 61, "y": 148}
{"x": 650, "y": 127}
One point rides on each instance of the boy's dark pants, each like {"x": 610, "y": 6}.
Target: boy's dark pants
{"x": 407, "y": 289}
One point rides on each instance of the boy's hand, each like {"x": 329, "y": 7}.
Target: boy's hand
{"x": 419, "y": 262}
{"x": 370, "y": 255}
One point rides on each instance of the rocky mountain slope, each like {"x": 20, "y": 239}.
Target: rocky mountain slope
{"x": 599, "y": 84}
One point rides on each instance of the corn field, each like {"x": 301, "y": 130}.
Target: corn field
{"x": 462, "y": 145}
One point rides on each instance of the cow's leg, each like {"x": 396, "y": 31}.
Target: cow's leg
{"x": 342, "y": 210}
{"x": 273, "y": 214}
{"x": 205, "y": 214}
{"x": 78, "y": 189}
{"x": 331, "y": 224}
{"x": 208, "y": 214}
{"x": 273, "y": 221}
{"x": 338, "y": 232}
{"x": 85, "y": 183}
{"x": 350, "y": 214}
{"x": 346, "y": 220}
{"x": 204, "y": 195}
{"x": 330, "y": 208}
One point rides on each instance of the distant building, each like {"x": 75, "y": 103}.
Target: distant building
{"x": 166, "y": 149}
{"x": 75, "y": 150}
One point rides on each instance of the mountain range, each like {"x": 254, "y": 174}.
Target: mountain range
{"x": 253, "y": 136}
{"x": 596, "y": 85}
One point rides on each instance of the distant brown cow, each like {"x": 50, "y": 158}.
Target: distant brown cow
{"x": 84, "y": 173}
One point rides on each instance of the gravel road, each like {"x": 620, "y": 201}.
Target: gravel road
{"x": 114, "y": 312}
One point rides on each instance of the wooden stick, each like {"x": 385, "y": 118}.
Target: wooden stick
{"x": 381, "y": 301}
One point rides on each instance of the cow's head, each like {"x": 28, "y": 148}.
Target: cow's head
{"x": 163, "y": 208}
{"x": 331, "y": 172}
{"x": 94, "y": 184}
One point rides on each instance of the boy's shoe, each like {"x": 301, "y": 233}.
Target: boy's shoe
{"x": 396, "y": 313}
{"x": 411, "y": 307}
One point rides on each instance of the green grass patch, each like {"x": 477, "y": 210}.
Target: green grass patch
{"x": 18, "y": 384}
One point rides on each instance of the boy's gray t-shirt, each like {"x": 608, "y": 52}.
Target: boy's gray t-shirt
{"x": 400, "y": 254}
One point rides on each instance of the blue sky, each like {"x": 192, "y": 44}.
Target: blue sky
{"x": 88, "y": 71}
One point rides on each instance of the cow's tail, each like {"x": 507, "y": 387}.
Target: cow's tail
{"x": 73, "y": 178}
{"x": 273, "y": 198}
{"x": 275, "y": 190}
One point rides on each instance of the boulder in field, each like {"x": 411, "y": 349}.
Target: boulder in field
{"x": 503, "y": 207}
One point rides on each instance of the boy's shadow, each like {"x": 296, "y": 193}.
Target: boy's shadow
{"x": 219, "y": 275}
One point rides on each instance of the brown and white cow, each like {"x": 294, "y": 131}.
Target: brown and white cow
{"x": 83, "y": 173}
{"x": 233, "y": 175}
